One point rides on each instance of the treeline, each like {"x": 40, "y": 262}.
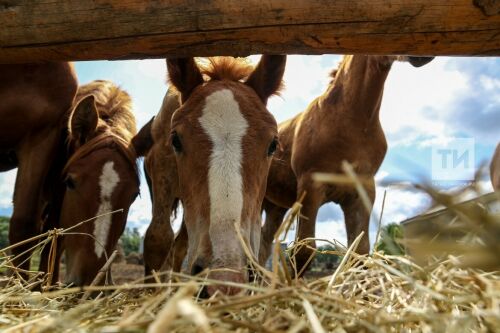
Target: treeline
{"x": 390, "y": 242}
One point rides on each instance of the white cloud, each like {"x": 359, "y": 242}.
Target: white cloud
{"x": 154, "y": 69}
{"x": 139, "y": 214}
{"x": 7, "y": 183}
{"x": 411, "y": 92}
{"x": 327, "y": 230}
{"x": 401, "y": 203}
{"x": 306, "y": 77}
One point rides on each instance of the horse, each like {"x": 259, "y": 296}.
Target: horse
{"x": 495, "y": 169}
{"x": 223, "y": 139}
{"x": 160, "y": 171}
{"x": 100, "y": 176}
{"x": 35, "y": 99}
{"x": 340, "y": 125}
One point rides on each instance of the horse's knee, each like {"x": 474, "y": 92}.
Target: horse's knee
{"x": 157, "y": 244}
{"x": 158, "y": 236}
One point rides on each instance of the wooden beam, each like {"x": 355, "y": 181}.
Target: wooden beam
{"x": 48, "y": 30}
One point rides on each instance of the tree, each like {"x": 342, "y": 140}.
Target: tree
{"x": 4, "y": 231}
{"x": 131, "y": 240}
{"x": 324, "y": 257}
{"x": 391, "y": 236}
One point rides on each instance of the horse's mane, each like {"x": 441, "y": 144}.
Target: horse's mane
{"x": 334, "y": 72}
{"x": 226, "y": 68}
{"x": 117, "y": 124}
{"x": 114, "y": 106}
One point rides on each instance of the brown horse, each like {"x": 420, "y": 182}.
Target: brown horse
{"x": 99, "y": 177}
{"x": 161, "y": 174}
{"x": 223, "y": 139}
{"x": 35, "y": 100}
{"x": 342, "y": 124}
{"x": 495, "y": 169}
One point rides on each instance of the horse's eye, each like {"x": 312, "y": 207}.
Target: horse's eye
{"x": 70, "y": 183}
{"x": 176, "y": 142}
{"x": 272, "y": 147}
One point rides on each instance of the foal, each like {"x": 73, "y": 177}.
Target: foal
{"x": 342, "y": 124}
{"x": 99, "y": 177}
{"x": 161, "y": 174}
{"x": 495, "y": 169}
{"x": 223, "y": 139}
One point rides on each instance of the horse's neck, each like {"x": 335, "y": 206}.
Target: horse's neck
{"x": 356, "y": 92}
{"x": 170, "y": 104}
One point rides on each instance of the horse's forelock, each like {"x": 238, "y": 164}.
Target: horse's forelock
{"x": 226, "y": 68}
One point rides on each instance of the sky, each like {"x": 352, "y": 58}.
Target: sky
{"x": 450, "y": 106}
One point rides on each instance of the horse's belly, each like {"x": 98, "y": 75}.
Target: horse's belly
{"x": 17, "y": 121}
{"x": 12, "y": 132}
{"x": 8, "y": 160}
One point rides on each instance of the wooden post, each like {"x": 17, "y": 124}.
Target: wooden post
{"x": 135, "y": 29}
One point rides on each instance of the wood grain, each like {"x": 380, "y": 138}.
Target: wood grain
{"x": 47, "y": 30}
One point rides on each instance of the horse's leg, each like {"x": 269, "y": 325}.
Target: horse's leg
{"x": 307, "y": 222}
{"x": 357, "y": 218}
{"x": 274, "y": 218}
{"x": 35, "y": 157}
{"x": 158, "y": 239}
{"x": 50, "y": 224}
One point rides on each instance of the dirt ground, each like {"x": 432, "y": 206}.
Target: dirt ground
{"x": 126, "y": 273}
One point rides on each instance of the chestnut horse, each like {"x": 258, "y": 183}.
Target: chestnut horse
{"x": 35, "y": 99}
{"x": 100, "y": 177}
{"x": 495, "y": 169}
{"x": 160, "y": 169}
{"x": 342, "y": 124}
{"x": 223, "y": 139}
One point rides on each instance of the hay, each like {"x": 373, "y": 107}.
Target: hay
{"x": 379, "y": 294}
{"x": 376, "y": 293}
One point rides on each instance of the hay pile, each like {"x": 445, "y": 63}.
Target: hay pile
{"x": 377, "y": 293}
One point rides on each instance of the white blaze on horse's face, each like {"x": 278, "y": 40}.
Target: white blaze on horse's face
{"x": 223, "y": 137}
{"x": 107, "y": 182}
{"x": 225, "y": 125}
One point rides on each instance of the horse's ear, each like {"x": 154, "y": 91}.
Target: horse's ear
{"x": 83, "y": 121}
{"x": 143, "y": 141}
{"x": 267, "y": 77}
{"x": 184, "y": 74}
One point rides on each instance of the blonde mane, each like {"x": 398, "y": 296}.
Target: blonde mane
{"x": 114, "y": 106}
{"x": 226, "y": 68}
{"x": 334, "y": 72}
{"x": 117, "y": 125}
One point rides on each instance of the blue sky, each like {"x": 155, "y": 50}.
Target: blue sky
{"x": 422, "y": 109}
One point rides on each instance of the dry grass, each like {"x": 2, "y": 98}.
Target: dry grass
{"x": 376, "y": 293}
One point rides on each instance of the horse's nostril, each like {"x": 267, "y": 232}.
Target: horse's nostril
{"x": 197, "y": 268}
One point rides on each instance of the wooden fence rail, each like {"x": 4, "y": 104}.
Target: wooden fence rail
{"x": 47, "y": 30}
